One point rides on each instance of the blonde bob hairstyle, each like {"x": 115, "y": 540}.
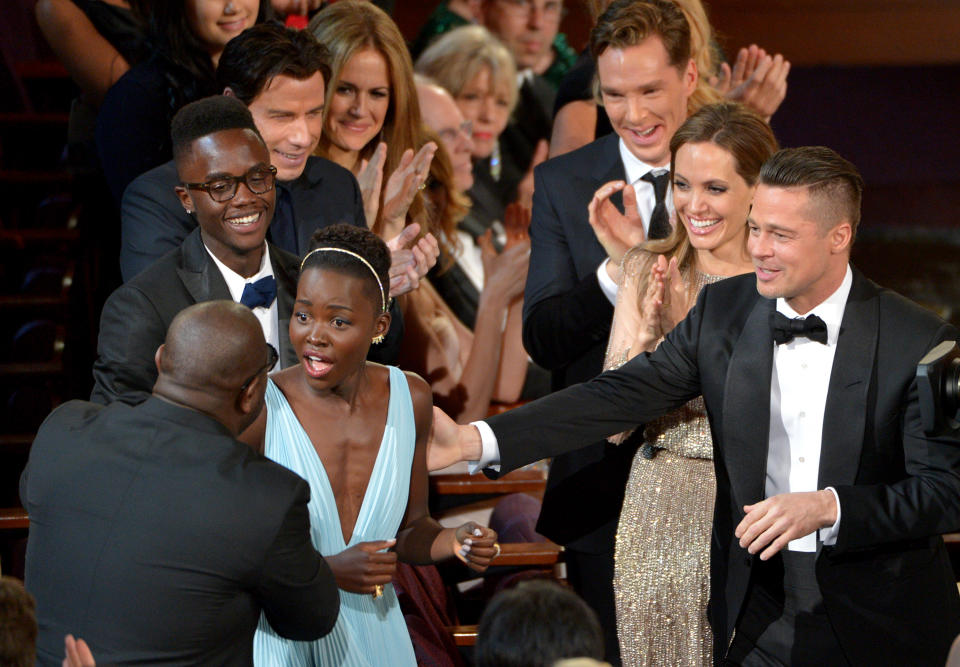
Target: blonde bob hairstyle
{"x": 457, "y": 56}
{"x": 347, "y": 27}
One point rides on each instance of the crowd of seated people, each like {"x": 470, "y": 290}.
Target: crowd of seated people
{"x": 328, "y": 239}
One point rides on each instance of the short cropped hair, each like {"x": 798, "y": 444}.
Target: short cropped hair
{"x": 18, "y": 624}
{"x": 206, "y": 116}
{"x": 357, "y": 240}
{"x": 535, "y": 624}
{"x": 456, "y": 57}
{"x": 834, "y": 185}
{"x": 253, "y": 58}
{"x": 628, "y": 23}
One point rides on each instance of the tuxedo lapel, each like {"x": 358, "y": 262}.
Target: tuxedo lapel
{"x": 198, "y": 273}
{"x": 746, "y": 406}
{"x": 845, "y": 414}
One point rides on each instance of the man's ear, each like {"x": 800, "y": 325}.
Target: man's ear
{"x": 841, "y": 236}
{"x": 250, "y": 400}
{"x": 158, "y": 357}
{"x": 186, "y": 200}
{"x": 690, "y": 77}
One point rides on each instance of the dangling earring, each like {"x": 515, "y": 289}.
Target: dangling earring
{"x": 495, "y": 161}
{"x": 377, "y": 339}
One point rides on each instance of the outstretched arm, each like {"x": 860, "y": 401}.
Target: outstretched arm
{"x": 422, "y": 539}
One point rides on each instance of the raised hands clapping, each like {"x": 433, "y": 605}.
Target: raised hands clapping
{"x": 757, "y": 80}
{"x": 400, "y": 189}
{"x": 617, "y": 232}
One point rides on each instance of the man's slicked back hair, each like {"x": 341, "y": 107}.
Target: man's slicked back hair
{"x": 207, "y": 116}
{"x": 834, "y": 185}
{"x": 253, "y": 58}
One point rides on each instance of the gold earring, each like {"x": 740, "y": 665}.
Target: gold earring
{"x": 378, "y": 339}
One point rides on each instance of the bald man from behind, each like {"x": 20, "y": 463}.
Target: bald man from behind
{"x": 154, "y": 534}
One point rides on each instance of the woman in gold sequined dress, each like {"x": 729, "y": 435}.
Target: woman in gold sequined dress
{"x": 662, "y": 570}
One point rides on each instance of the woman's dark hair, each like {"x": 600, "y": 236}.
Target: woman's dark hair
{"x": 536, "y": 624}
{"x": 357, "y": 240}
{"x": 186, "y": 62}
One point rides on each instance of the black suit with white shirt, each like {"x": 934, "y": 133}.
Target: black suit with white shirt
{"x": 887, "y": 585}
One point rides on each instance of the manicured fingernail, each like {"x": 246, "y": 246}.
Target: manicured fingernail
{"x": 468, "y": 541}
{"x": 477, "y": 532}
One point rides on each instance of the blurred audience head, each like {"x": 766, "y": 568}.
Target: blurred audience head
{"x": 214, "y": 359}
{"x": 526, "y": 27}
{"x": 281, "y": 75}
{"x": 190, "y": 35}
{"x": 536, "y": 624}
{"x": 225, "y": 175}
{"x": 371, "y": 97}
{"x": 480, "y": 75}
{"x": 442, "y": 116}
{"x": 639, "y": 47}
{"x": 18, "y": 624}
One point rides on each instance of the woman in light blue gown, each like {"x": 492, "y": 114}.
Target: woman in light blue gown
{"x": 356, "y": 431}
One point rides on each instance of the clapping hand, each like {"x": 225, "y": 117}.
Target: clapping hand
{"x": 505, "y": 273}
{"x": 476, "y": 545}
{"x": 402, "y": 187}
{"x": 757, "y": 80}
{"x": 410, "y": 259}
{"x": 673, "y": 291}
{"x": 516, "y": 222}
{"x": 77, "y": 653}
{"x": 370, "y": 179}
{"x": 364, "y": 566}
{"x": 617, "y": 232}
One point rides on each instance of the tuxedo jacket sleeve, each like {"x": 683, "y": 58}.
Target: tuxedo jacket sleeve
{"x": 565, "y": 313}
{"x": 297, "y": 589}
{"x": 152, "y": 220}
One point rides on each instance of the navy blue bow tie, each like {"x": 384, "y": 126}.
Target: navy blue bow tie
{"x": 260, "y": 293}
{"x": 785, "y": 329}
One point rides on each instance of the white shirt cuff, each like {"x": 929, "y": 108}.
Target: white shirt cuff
{"x": 490, "y": 453}
{"x": 829, "y": 535}
{"x": 607, "y": 286}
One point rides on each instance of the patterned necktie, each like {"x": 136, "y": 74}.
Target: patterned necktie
{"x": 785, "y": 329}
{"x": 659, "y": 227}
{"x": 261, "y": 293}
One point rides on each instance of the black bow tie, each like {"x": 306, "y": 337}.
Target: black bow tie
{"x": 260, "y": 293}
{"x": 785, "y": 329}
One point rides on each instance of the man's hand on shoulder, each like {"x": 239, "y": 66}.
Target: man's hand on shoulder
{"x": 770, "y": 524}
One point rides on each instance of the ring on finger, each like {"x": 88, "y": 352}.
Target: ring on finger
{"x": 378, "y": 591}
{"x": 496, "y": 549}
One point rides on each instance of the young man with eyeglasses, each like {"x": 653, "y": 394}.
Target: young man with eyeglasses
{"x": 228, "y": 184}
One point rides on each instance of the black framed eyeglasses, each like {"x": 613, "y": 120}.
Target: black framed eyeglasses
{"x": 259, "y": 180}
{"x": 272, "y": 357}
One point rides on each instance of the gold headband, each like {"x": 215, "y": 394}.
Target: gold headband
{"x": 383, "y": 296}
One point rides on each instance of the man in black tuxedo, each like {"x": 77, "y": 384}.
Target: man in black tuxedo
{"x": 830, "y": 497}
{"x": 228, "y": 183}
{"x": 640, "y": 48}
{"x": 156, "y": 535}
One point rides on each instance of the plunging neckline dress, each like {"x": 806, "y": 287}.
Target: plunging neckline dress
{"x": 369, "y": 632}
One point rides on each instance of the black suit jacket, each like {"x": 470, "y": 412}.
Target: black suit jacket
{"x": 135, "y": 317}
{"x": 566, "y": 324}
{"x": 887, "y": 584}
{"x": 154, "y": 223}
{"x": 159, "y": 538}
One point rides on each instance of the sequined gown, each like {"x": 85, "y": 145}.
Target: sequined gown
{"x": 662, "y": 558}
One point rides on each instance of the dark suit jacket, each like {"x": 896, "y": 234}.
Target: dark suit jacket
{"x": 887, "y": 584}
{"x": 154, "y": 223}
{"x": 566, "y": 324}
{"x": 159, "y": 538}
{"x": 136, "y": 316}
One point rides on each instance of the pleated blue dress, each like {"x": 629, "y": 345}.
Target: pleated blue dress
{"x": 369, "y": 632}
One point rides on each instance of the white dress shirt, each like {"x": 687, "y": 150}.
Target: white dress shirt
{"x": 798, "y": 398}
{"x": 635, "y": 169}
{"x": 268, "y": 317}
